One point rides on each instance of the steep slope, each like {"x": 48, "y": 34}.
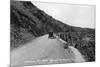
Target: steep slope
{"x": 29, "y": 22}
{"x": 27, "y": 18}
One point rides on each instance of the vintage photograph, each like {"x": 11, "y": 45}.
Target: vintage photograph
{"x": 44, "y": 33}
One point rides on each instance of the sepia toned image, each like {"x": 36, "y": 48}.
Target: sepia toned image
{"x": 44, "y": 33}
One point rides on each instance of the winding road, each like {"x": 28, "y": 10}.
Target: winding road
{"x": 43, "y": 50}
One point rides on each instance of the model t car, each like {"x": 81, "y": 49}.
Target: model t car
{"x": 51, "y": 35}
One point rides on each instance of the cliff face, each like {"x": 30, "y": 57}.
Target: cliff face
{"x": 28, "y": 22}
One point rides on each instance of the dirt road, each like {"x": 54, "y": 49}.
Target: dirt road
{"x": 43, "y": 50}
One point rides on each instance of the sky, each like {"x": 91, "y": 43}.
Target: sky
{"x": 75, "y": 15}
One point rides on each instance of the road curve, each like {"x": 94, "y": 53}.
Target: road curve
{"x": 44, "y": 50}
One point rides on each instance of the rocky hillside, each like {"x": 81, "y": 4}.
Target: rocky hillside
{"x": 29, "y": 22}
